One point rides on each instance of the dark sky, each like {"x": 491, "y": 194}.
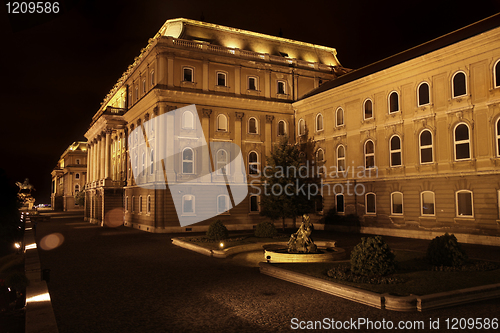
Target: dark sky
{"x": 56, "y": 70}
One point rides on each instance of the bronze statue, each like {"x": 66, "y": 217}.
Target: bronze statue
{"x": 301, "y": 241}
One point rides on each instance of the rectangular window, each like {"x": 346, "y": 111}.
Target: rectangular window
{"x": 427, "y": 203}
{"x": 281, "y": 87}
{"x": 340, "y": 203}
{"x": 397, "y": 203}
{"x": 222, "y": 204}
{"x": 188, "y": 207}
{"x": 252, "y": 83}
{"x": 188, "y": 74}
{"x": 370, "y": 203}
{"x": 464, "y": 204}
{"x": 254, "y": 203}
{"x": 221, "y": 79}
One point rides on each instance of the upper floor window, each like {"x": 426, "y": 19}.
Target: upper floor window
{"x": 459, "y": 84}
{"x": 340, "y": 158}
{"x": 77, "y": 161}
{"x": 465, "y": 204}
{"x": 252, "y": 125}
{"x": 222, "y": 203}
{"x": 188, "y": 161}
{"x": 393, "y": 102}
{"x": 370, "y": 203}
{"x": 423, "y": 96}
{"x": 254, "y": 203}
{"x": 143, "y": 86}
{"x": 221, "y": 79}
{"x": 252, "y": 83}
{"x": 281, "y": 127}
{"x": 133, "y": 204}
{"x": 320, "y": 155}
{"x": 498, "y": 137}
{"x": 496, "y": 74}
{"x": 187, "y": 74}
{"x": 148, "y": 205}
{"x": 368, "y": 109}
{"x": 462, "y": 142}
{"x": 339, "y": 117}
{"x": 339, "y": 203}
{"x": 222, "y": 123}
{"x": 222, "y": 162}
{"x": 397, "y": 203}
{"x": 188, "y": 204}
{"x": 301, "y": 127}
{"x": 187, "y": 120}
{"x": 136, "y": 93}
{"x": 77, "y": 175}
{"x": 140, "y": 204}
{"x": 152, "y": 76}
{"x": 281, "y": 87}
{"x": 427, "y": 200}
{"x": 253, "y": 163}
{"x": 369, "y": 154}
{"x": 319, "y": 122}
{"x": 426, "y": 155}
{"x": 395, "y": 148}
{"x": 151, "y": 162}
{"x": 143, "y": 162}
{"x": 126, "y": 204}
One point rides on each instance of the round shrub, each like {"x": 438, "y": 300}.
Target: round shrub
{"x": 446, "y": 251}
{"x": 217, "y": 231}
{"x": 265, "y": 230}
{"x": 372, "y": 257}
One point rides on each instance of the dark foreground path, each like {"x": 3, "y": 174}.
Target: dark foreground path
{"x": 124, "y": 280}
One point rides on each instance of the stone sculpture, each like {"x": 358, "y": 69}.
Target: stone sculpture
{"x": 301, "y": 241}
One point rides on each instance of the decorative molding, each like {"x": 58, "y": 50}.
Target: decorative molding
{"x": 269, "y": 118}
{"x": 206, "y": 113}
{"x": 239, "y": 115}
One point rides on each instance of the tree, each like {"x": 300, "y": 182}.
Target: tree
{"x": 290, "y": 185}
{"x": 80, "y": 198}
{"x": 9, "y": 213}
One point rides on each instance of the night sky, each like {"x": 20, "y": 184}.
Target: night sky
{"x": 55, "y": 70}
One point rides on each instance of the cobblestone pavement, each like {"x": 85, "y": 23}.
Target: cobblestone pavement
{"x": 125, "y": 280}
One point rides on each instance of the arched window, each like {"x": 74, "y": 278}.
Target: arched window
{"x": 152, "y": 78}
{"x": 221, "y": 79}
{"x": 301, "y": 127}
{"x": 77, "y": 175}
{"x": 427, "y": 203}
{"x": 77, "y": 188}
{"x": 281, "y": 88}
{"x": 496, "y": 74}
{"x": 465, "y": 203}
{"x": 397, "y": 203}
{"x": 187, "y": 74}
{"x": 222, "y": 162}
{"x": 252, "y": 126}
{"x": 423, "y": 96}
{"x": 393, "y": 102}
{"x": 339, "y": 203}
{"x": 370, "y": 203}
{"x": 188, "y": 204}
{"x": 369, "y": 154}
{"x": 319, "y": 122}
{"x": 253, "y": 163}
{"x": 498, "y": 137}
{"x": 462, "y": 142}
{"x": 281, "y": 127}
{"x": 426, "y": 154}
{"x": 320, "y": 155}
{"x": 151, "y": 162}
{"x": 340, "y": 158}
{"x": 395, "y": 148}
{"x": 148, "y": 205}
{"x": 187, "y": 120}
{"x": 339, "y": 117}
{"x": 222, "y": 123}
{"x": 140, "y": 204}
{"x": 187, "y": 161}
{"x": 143, "y": 86}
{"x": 459, "y": 84}
{"x": 368, "y": 109}
{"x": 222, "y": 203}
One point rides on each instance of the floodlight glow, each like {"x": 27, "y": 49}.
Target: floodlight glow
{"x": 39, "y": 298}
{"x": 30, "y": 246}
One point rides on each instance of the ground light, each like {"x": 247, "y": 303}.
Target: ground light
{"x": 221, "y": 245}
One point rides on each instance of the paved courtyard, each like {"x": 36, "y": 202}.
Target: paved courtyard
{"x": 125, "y": 280}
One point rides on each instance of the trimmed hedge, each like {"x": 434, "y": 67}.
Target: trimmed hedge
{"x": 217, "y": 231}
{"x": 446, "y": 251}
{"x": 265, "y": 230}
{"x": 372, "y": 257}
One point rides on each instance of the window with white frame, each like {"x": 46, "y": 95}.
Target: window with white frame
{"x": 427, "y": 200}
{"x": 222, "y": 162}
{"x": 152, "y": 76}
{"x": 397, "y": 203}
{"x": 188, "y": 161}
{"x": 126, "y": 203}
{"x": 152, "y": 162}
{"x": 253, "y": 163}
{"x": 370, "y": 203}
{"x": 187, "y": 74}
{"x": 340, "y": 158}
{"x": 254, "y": 203}
{"x": 148, "y": 205}
{"x": 368, "y": 109}
{"x": 319, "y": 122}
{"x": 221, "y": 79}
{"x": 222, "y": 123}
{"x": 393, "y": 102}
{"x": 423, "y": 94}
{"x": 369, "y": 154}
{"x": 301, "y": 127}
{"x": 77, "y": 175}
{"x": 252, "y": 125}
{"x": 281, "y": 127}
{"x": 281, "y": 88}
{"x": 496, "y": 74}
{"x": 339, "y": 117}
{"x": 426, "y": 154}
{"x": 498, "y": 137}
{"x": 339, "y": 203}
{"x": 222, "y": 203}
{"x": 252, "y": 83}
{"x": 459, "y": 84}
{"x": 187, "y": 120}
{"x": 320, "y": 155}
{"x": 188, "y": 204}
{"x": 395, "y": 149}
{"x": 140, "y": 204}
{"x": 465, "y": 203}
{"x": 462, "y": 142}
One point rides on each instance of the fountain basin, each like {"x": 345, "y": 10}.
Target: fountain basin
{"x": 275, "y": 253}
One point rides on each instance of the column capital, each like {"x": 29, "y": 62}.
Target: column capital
{"x": 239, "y": 115}
{"x": 269, "y": 118}
{"x": 206, "y": 112}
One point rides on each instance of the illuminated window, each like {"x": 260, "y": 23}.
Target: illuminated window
{"x": 281, "y": 127}
{"x": 252, "y": 125}
{"x": 301, "y": 127}
{"x": 427, "y": 200}
{"x": 152, "y": 75}
{"x": 498, "y": 137}
{"x": 462, "y": 142}
{"x": 254, "y": 203}
{"x": 426, "y": 155}
{"x": 222, "y": 203}
{"x": 340, "y": 158}
{"x": 368, "y": 109}
{"x": 465, "y": 203}
{"x": 187, "y": 161}
{"x": 397, "y": 203}
{"x": 140, "y": 204}
{"x": 423, "y": 94}
{"x": 339, "y": 117}
{"x": 252, "y": 83}
{"x": 369, "y": 154}
{"x": 221, "y": 79}
{"x": 253, "y": 163}
{"x": 188, "y": 204}
{"x": 281, "y": 87}
{"x": 395, "y": 148}
{"x": 222, "y": 162}
{"x": 393, "y": 102}
{"x": 148, "y": 205}
{"x": 339, "y": 203}
{"x": 319, "y": 122}
{"x": 187, "y": 120}
{"x": 151, "y": 162}
{"x": 370, "y": 203}
{"x": 77, "y": 175}
{"x": 222, "y": 123}
{"x": 187, "y": 73}
{"x": 459, "y": 84}
{"x": 496, "y": 74}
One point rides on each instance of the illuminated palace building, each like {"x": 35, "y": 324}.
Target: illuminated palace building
{"x": 423, "y": 125}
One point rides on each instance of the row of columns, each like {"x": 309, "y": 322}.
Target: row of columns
{"x": 99, "y": 157}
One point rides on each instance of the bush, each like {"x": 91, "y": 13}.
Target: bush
{"x": 265, "y": 230}
{"x": 446, "y": 251}
{"x": 372, "y": 257}
{"x": 217, "y": 231}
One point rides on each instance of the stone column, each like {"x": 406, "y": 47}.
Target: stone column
{"x": 97, "y": 155}
{"x": 268, "y": 134}
{"x": 89, "y": 161}
{"x": 206, "y": 164}
{"x": 170, "y": 70}
{"x": 237, "y": 80}
{"x": 107, "y": 154}
{"x": 267, "y": 81}
{"x": 102, "y": 158}
{"x": 238, "y": 173}
{"x": 162, "y": 69}
{"x": 205, "y": 76}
